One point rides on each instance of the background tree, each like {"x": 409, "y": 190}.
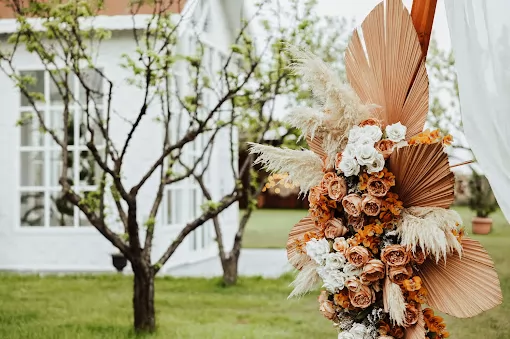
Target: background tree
{"x": 258, "y": 108}
{"x": 67, "y": 48}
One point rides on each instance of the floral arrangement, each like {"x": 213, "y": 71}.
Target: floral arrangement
{"x": 355, "y": 245}
{"x": 379, "y": 237}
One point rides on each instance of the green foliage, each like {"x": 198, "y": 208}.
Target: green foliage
{"x": 209, "y": 206}
{"x": 92, "y": 200}
{"x": 149, "y": 223}
{"x": 481, "y": 199}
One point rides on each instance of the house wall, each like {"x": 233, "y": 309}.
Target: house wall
{"x": 84, "y": 249}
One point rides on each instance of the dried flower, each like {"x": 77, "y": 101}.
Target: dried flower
{"x": 373, "y": 271}
{"x": 395, "y": 255}
{"x": 363, "y": 298}
{"x": 385, "y": 147}
{"x": 398, "y": 274}
{"x": 411, "y": 315}
{"x": 340, "y": 245}
{"x": 342, "y": 299}
{"x": 356, "y": 222}
{"x": 327, "y": 309}
{"x": 337, "y": 188}
{"x": 335, "y": 228}
{"x": 413, "y": 284}
{"x": 370, "y": 205}
{"x": 377, "y": 187}
{"x": 352, "y": 204}
{"x": 357, "y": 255}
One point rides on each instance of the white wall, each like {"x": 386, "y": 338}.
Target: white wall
{"x": 84, "y": 249}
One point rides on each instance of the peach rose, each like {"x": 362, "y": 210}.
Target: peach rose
{"x": 323, "y": 297}
{"x": 327, "y": 309}
{"x": 335, "y": 228}
{"x": 385, "y": 337}
{"x": 356, "y": 222}
{"x": 353, "y": 284}
{"x": 385, "y": 147}
{"x": 398, "y": 274}
{"x": 370, "y": 122}
{"x": 340, "y": 245}
{"x": 314, "y": 196}
{"x": 357, "y": 255}
{"x": 352, "y": 204}
{"x": 326, "y": 179}
{"x": 337, "y": 189}
{"x": 363, "y": 298}
{"x": 371, "y": 205}
{"x": 395, "y": 255}
{"x": 372, "y": 271}
{"x": 411, "y": 315}
{"x": 377, "y": 187}
{"x": 418, "y": 256}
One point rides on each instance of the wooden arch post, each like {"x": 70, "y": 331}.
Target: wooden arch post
{"x": 422, "y": 13}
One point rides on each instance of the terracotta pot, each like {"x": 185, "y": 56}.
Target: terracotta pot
{"x": 481, "y": 225}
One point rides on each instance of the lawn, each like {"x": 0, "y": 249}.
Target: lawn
{"x": 90, "y": 307}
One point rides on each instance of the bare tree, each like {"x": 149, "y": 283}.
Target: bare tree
{"x": 67, "y": 44}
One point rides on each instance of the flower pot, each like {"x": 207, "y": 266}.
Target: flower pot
{"x": 119, "y": 261}
{"x": 481, "y": 225}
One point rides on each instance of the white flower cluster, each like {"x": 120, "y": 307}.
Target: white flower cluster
{"x": 334, "y": 269}
{"x": 357, "y": 331}
{"x": 360, "y": 150}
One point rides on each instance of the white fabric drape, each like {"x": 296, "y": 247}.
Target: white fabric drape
{"x": 480, "y": 36}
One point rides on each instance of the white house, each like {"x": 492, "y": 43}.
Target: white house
{"x": 35, "y": 235}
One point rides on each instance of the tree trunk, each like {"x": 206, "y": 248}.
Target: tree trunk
{"x": 143, "y": 299}
{"x": 230, "y": 270}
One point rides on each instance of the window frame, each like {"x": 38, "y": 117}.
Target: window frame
{"x": 46, "y": 149}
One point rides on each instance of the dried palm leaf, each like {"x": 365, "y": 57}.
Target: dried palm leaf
{"x": 295, "y": 244}
{"x": 422, "y": 175}
{"x": 303, "y": 167}
{"x": 416, "y": 331}
{"x": 315, "y": 145}
{"x": 462, "y": 287}
{"x": 386, "y": 67}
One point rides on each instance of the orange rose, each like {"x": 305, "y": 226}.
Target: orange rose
{"x": 418, "y": 256}
{"x": 335, "y": 228}
{"x": 363, "y": 298}
{"x": 356, "y": 222}
{"x": 357, "y": 255}
{"x": 411, "y": 315}
{"x": 352, "y": 204}
{"x": 370, "y": 122}
{"x": 398, "y": 274}
{"x": 340, "y": 245}
{"x": 385, "y": 147}
{"x": 327, "y": 309}
{"x": 377, "y": 187}
{"x": 371, "y": 205}
{"x": 372, "y": 271}
{"x": 395, "y": 255}
{"x": 353, "y": 284}
{"x": 337, "y": 188}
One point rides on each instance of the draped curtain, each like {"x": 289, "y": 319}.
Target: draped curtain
{"x": 480, "y": 36}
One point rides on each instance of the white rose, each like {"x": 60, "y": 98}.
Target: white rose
{"x": 358, "y": 330}
{"x": 354, "y": 134}
{"x": 349, "y": 166}
{"x": 349, "y": 151}
{"x": 333, "y": 279}
{"x": 377, "y": 164}
{"x": 351, "y": 271}
{"x": 396, "y": 132}
{"x": 346, "y": 335}
{"x": 364, "y": 140}
{"x": 335, "y": 261}
{"x": 374, "y": 132}
{"x": 366, "y": 154}
{"x": 317, "y": 250}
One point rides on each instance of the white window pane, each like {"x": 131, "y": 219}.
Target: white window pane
{"x": 37, "y": 87}
{"x": 93, "y": 88}
{"x": 61, "y": 210}
{"x": 90, "y": 172}
{"x": 31, "y": 171}
{"x": 55, "y": 168}
{"x": 32, "y": 209}
{"x": 82, "y": 219}
{"x": 56, "y": 123}
{"x": 30, "y": 133}
{"x": 61, "y": 85}
{"x": 86, "y": 135}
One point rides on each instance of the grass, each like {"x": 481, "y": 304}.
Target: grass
{"x": 90, "y": 307}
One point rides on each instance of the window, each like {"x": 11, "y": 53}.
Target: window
{"x": 40, "y": 161}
